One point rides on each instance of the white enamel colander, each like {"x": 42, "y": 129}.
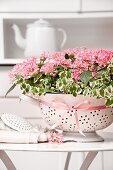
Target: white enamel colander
{"x": 89, "y": 121}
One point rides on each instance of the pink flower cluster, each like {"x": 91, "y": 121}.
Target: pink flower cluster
{"x": 25, "y": 69}
{"x": 84, "y": 59}
{"x": 56, "y": 137}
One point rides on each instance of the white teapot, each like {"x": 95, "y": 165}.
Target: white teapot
{"x": 41, "y": 37}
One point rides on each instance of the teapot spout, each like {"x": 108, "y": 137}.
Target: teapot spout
{"x": 20, "y": 41}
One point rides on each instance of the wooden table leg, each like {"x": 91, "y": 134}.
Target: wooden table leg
{"x": 88, "y": 160}
{"x": 67, "y": 161}
{"x": 7, "y": 161}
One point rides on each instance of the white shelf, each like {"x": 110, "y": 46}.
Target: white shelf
{"x": 82, "y": 31}
{"x": 10, "y": 61}
{"x": 57, "y": 15}
{"x": 84, "y": 28}
{"x": 55, "y": 6}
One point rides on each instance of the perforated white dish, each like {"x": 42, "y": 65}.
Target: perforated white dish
{"x": 86, "y": 120}
{"x": 16, "y": 122}
{"x": 89, "y": 120}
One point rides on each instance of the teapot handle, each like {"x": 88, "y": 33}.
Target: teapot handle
{"x": 64, "y": 37}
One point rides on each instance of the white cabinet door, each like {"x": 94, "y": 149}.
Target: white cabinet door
{"x": 39, "y": 5}
{"x": 97, "y": 5}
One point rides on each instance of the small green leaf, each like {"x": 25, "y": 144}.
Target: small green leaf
{"x": 85, "y": 77}
{"x": 37, "y": 77}
{"x": 27, "y": 88}
{"x": 109, "y": 102}
{"x": 86, "y": 91}
{"x": 62, "y": 74}
{"x": 94, "y": 92}
{"x": 112, "y": 83}
{"x": 59, "y": 68}
{"x": 67, "y": 56}
{"x": 34, "y": 90}
{"x": 74, "y": 93}
{"x": 64, "y": 80}
{"x": 109, "y": 89}
{"x": 11, "y": 88}
{"x": 68, "y": 74}
{"x": 102, "y": 92}
{"x": 19, "y": 79}
{"x": 23, "y": 85}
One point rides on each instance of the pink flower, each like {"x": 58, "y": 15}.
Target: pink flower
{"x": 47, "y": 68}
{"x": 45, "y": 55}
{"x": 83, "y": 59}
{"x": 53, "y": 61}
{"x": 56, "y": 137}
{"x": 76, "y": 74}
{"x": 103, "y": 56}
{"x": 79, "y": 64}
{"x": 26, "y": 69}
{"x": 94, "y": 74}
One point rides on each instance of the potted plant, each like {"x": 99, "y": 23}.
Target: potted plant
{"x": 74, "y": 89}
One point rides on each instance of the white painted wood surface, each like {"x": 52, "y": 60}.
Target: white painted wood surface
{"x": 106, "y": 145}
{"x": 69, "y": 147}
{"x": 55, "y": 6}
{"x": 39, "y": 6}
{"x": 97, "y": 5}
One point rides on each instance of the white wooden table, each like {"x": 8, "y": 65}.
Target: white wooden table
{"x": 69, "y": 147}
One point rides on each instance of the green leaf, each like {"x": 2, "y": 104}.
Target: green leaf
{"x": 73, "y": 88}
{"x": 35, "y": 90}
{"x": 27, "y": 88}
{"x": 112, "y": 83}
{"x": 85, "y": 77}
{"x": 62, "y": 74}
{"x": 68, "y": 74}
{"x": 102, "y": 92}
{"x": 23, "y": 85}
{"x": 74, "y": 93}
{"x": 109, "y": 102}
{"x": 60, "y": 68}
{"x": 37, "y": 77}
{"x": 86, "y": 91}
{"x": 64, "y": 80}
{"x": 11, "y": 88}
{"x": 109, "y": 88}
{"x": 67, "y": 56}
{"x": 19, "y": 79}
{"x": 94, "y": 92}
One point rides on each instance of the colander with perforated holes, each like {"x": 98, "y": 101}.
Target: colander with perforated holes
{"x": 89, "y": 120}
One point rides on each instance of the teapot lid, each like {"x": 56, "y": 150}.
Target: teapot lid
{"x": 40, "y": 23}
